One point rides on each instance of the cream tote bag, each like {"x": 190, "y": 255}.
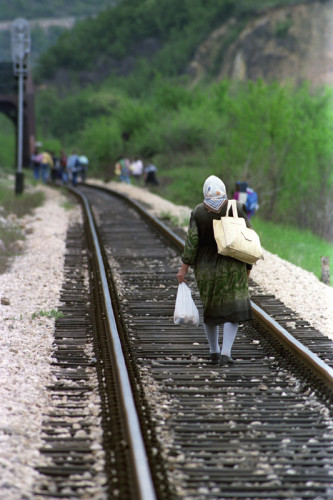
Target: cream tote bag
{"x": 236, "y": 240}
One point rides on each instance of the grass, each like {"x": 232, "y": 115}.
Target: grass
{"x": 19, "y": 205}
{"x": 48, "y": 314}
{"x": 8, "y": 236}
{"x": 173, "y": 219}
{"x": 67, "y": 205}
{"x": 297, "y": 246}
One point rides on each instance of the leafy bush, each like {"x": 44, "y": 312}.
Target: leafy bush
{"x": 134, "y": 116}
{"x": 102, "y": 143}
{"x": 280, "y": 139}
{"x": 59, "y": 117}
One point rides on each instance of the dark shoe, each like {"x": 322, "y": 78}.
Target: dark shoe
{"x": 224, "y": 359}
{"x": 214, "y": 358}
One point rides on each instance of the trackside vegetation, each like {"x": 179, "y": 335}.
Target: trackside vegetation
{"x": 117, "y": 84}
{"x": 280, "y": 139}
{"x": 300, "y": 247}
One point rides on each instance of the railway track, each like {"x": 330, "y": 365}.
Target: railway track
{"x": 261, "y": 428}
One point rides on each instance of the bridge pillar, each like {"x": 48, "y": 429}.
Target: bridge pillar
{"x": 9, "y": 106}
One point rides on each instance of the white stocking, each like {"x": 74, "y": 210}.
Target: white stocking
{"x": 212, "y": 333}
{"x": 229, "y": 335}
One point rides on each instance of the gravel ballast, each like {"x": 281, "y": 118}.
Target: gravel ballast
{"x": 30, "y": 291}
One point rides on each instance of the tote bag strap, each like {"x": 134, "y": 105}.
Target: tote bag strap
{"x": 232, "y": 204}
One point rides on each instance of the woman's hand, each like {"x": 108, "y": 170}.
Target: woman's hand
{"x": 182, "y": 273}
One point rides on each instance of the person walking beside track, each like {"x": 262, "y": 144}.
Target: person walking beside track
{"x": 36, "y": 159}
{"x": 150, "y": 172}
{"x": 248, "y": 197}
{"x": 222, "y": 281}
{"x": 137, "y": 169}
{"x": 46, "y": 166}
{"x": 73, "y": 167}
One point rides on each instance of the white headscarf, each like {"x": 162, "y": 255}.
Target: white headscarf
{"x": 214, "y": 193}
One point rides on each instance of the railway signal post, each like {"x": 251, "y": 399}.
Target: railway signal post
{"x": 20, "y": 49}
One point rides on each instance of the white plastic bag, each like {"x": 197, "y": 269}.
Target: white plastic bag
{"x": 186, "y": 312}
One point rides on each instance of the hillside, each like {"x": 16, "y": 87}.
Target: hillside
{"x": 278, "y": 40}
{"x": 291, "y": 43}
{"x": 206, "y": 41}
{"x": 165, "y": 35}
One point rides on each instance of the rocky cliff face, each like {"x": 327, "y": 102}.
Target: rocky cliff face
{"x": 285, "y": 44}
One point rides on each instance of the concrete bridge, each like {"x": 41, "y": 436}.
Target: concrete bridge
{"x": 9, "y": 106}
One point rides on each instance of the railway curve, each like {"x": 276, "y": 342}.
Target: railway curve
{"x": 261, "y": 428}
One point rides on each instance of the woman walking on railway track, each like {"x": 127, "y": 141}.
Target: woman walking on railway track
{"x": 222, "y": 281}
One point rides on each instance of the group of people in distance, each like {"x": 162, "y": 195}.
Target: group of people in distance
{"x": 127, "y": 170}
{"x": 47, "y": 166}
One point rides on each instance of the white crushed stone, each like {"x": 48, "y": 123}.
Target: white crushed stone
{"x": 33, "y": 284}
{"x": 298, "y": 289}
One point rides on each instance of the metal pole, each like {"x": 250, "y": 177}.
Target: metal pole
{"x": 20, "y": 45}
{"x": 19, "y": 174}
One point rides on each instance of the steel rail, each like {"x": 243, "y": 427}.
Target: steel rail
{"x": 144, "y": 482}
{"x": 311, "y": 360}
{"x": 317, "y": 365}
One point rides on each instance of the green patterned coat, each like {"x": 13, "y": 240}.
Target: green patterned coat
{"x": 222, "y": 281}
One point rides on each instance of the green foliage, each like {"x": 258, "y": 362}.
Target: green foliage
{"x": 280, "y": 139}
{"x": 63, "y": 117}
{"x": 134, "y": 116}
{"x": 186, "y": 131}
{"x": 18, "y": 204}
{"x": 7, "y": 143}
{"x": 171, "y": 95}
{"x": 174, "y": 220}
{"x": 300, "y": 247}
{"x": 13, "y": 204}
{"x": 122, "y": 29}
{"x": 101, "y": 141}
{"x": 282, "y": 28}
{"x": 184, "y": 184}
{"x": 67, "y": 205}
{"x": 8, "y": 236}
{"x": 171, "y": 29}
{"x": 53, "y": 313}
